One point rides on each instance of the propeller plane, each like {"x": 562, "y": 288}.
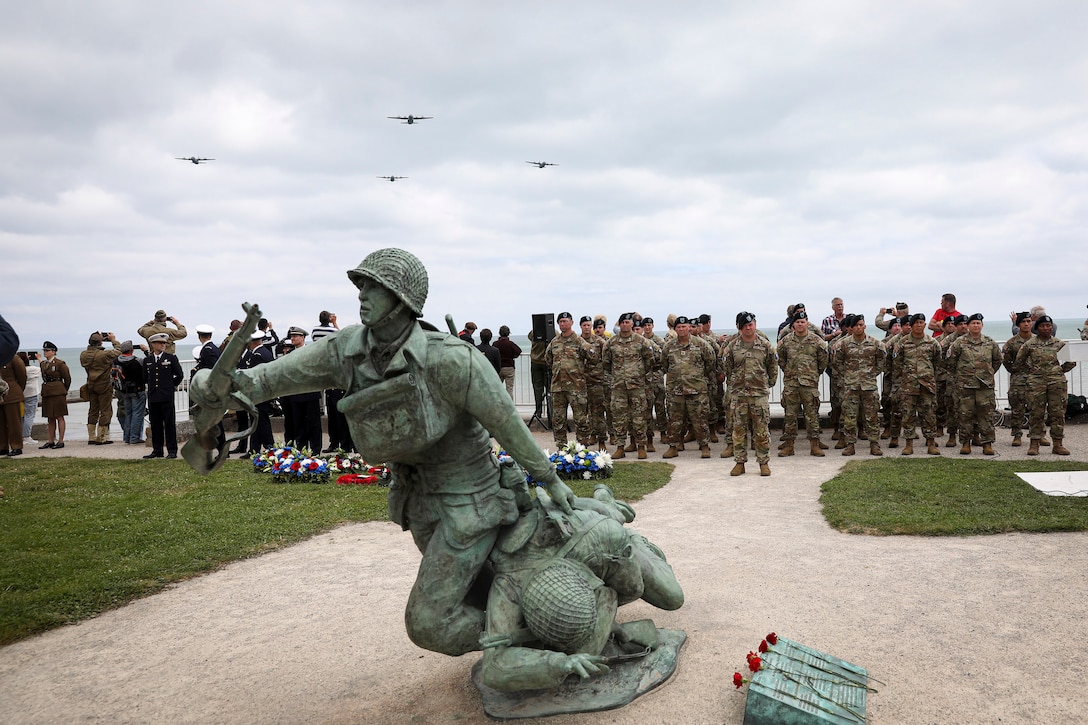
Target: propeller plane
{"x": 392, "y": 178}
{"x": 410, "y": 118}
{"x": 541, "y": 164}
{"x": 193, "y": 159}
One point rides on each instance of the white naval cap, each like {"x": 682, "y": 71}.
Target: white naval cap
{"x": 257, "y": 335}
{"x": 205, "y": 329}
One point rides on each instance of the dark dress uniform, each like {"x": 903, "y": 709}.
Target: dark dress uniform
{"x": 262, "y": 435}
{"x": 163, "y": 374}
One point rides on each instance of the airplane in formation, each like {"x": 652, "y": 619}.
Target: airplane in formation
{"x": 392, "y": 178}
{"x": 193, "y": 159}
{"x": 541, "y": 164}
{"x": 410, "y": 118}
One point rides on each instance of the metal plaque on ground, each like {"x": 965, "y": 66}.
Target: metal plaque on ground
{"x": 798, "y": 685}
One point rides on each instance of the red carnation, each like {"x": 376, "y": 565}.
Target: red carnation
{"x": 763, "y": 646}
{"x": 772, "y": 638}
{"x": 738, "y": 680}
{"x": 295, "y": 466}
{"x": 754, "y": 663}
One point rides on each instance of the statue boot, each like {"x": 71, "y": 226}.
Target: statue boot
{"x": 908, "y": 447}
{"x": 931, "y": 447}
{"x": 1059, "y": 449}
{"x": 671, "y": 453}
{"x": 786, "y": 449}
{"x": 874, "y": 449}
{"x": 1033, "y": 447}
{"x": 738, "y": 470}
{"x": 816, "y": 448}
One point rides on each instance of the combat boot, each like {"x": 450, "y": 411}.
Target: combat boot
{"x": 650, "y": 444}
{"x": 874, "y": 449}
{"x": 886, "y": 433}
{"x": 690, "y": 436}
{"x": 104, "y": 435}
{"x": 951, "y": 441}
{"x": 619, "y": 452}
{"x": 815, "y": 448}
{"x": 908, "y": 447}
{"x": 848, "y": 449}
{"x": 601, "y": 445}
{"x": 823, "y": 445}
{"x": 894, "y": 442}
{"x": 931, "y": 447}
{"x": 987, "y": 449}
{"x": 738, "y": 470}
{"x": 631, "y": 447}
{"x": 975, "y": 440}
{"x": 940, "y": 431}
{"x": 965, "y": 450}
{"x": 641, "y": 453}
{"x": 1033, "y": 447}
{"x": 764, "y": 469}
{"x": 1059, "y": 449}
{"x": 1043, "y": 441}
{"x": 671, "y": 453}
{"x": 704, "y": 451}
{"x": 679, "y": 446}
{"x": 92, "y": 436}
{"x": 841, "y": 444}
{"x": 727, "y": 452}
{"x": 713, "y": 436}
{"x": 836, "y": 435}
{"x": 787, "y": 449}
{"x": 1017, "y": 441}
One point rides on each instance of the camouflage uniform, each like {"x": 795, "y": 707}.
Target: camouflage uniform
{"x": 655, "y": 392}
{"x": 1018, "y": 383}
{"x": 627, "y": 360}
{"x": 857, "y": 363}
{"x": 915, "y": 362}
{"x": 973, "y": 364}
{"x": 687, "y": 367}
{"x": 751, "y": 369}
{"x": 567, "y": 357}
{"x": 950, "y": 393}
{"x": 891, "y": 391}
{"x": 1047, "y": 388}
{"x": 803, "y": 360}
{"x": 594, "y": 369}
{"x": 835, "y": 386}
{"x": 717, "y": 416}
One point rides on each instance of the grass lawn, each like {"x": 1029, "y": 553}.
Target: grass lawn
{"x": 942, "y": 497}
{"x": 80, "y": 536}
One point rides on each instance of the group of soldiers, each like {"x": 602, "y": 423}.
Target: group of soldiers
{"x": 692, "y": 385}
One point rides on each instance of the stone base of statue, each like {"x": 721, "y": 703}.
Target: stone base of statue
{"x": 626, "y": 680}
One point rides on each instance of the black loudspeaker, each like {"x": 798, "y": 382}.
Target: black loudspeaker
{"x": 543, "y": 327}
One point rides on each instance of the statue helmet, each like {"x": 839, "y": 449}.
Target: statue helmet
{"x": 398, "y": 271}
{"x": 559, "y": 606}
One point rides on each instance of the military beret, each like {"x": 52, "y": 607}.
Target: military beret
{"x": 858, "y": 318}
{"x": 905, "y": 320}
{"x": 204, "y": 329}
{"x": 1041, "y": 320}
{"x": 647, "y": 320}
{"x": 1021, "y": 316}
{"x": 598, "y": 323}
{"x": 743, "y": 318}
{"x": 799, "y": 306}
{"x": 976, "y": 316}
{"x": 564, "y": 316}
{"x": 95, "y": 338}
{"x": 159, "y": 337}
{"x": 917, "y": 317}
{"x": 681, "y": 320}
{"x": 627, "y": 316}
{"x": 705, "y": 318}
{"x": 800, "y": 315}
{"x": 638, "y": 322}
{"x": 585, "y": 318}
{"x": 49, "y": 346}
{"x": 950, "y": 320}
{"x": 292, "y": 330}
{"x": 848, "y": 321}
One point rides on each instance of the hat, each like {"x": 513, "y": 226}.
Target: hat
{"x": 960, "y": 319}
{"x": 627, "y": 316}
{"x": 950, "y": 320}
{"x": 126, "y": 346}
{"x": 638, "y": 322}
{"x": 160, "y": 315}
{"x": 49, "y": 346}
{"x": 1021, "y": 316}
{"x": 905, "y": 320}
{"x": 976, "y": 316}
{"x": 561, "y": 316}
{"x": 848, "y": 321}
{"x": 95, "y": 338}
{"x": 204, "y": 329}
{"x": 1041, "y": 320}
{"x": 647, "y": 320}
{"x": 257, "y": 335}
{"x": 799, "y": 315}
{"x": 159, "y": 337}
{"x": 743, "y": 318}
{"x": 917, "y": 317}
{"x": 292, "y": 330}
{"x": 681, "y": 320}
{"x": 584, "y": 318}
{"x": 599, "y": 323}
{"x": 901, "y": 306}
{"x": 705, "y": 318}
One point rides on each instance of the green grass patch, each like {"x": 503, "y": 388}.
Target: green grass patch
{"x": 80, "y": 536}
{"x": 940, "y": 497}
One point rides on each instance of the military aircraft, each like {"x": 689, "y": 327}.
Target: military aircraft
{"x": 194, "y": 159}
{"x": 410, "y": 118}
{"x": 541, "y": 164}
{"x": 392, "y": 178}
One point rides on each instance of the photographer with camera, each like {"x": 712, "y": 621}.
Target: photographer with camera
{"x": 157, "y": 326}
{"x": 97, "y": 361}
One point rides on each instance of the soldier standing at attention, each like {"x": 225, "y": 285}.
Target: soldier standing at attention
{"x": 802, "y": 355}
{"x": 688, "y": 362}
{"x": 974, "y": 358}
{"x": 628, "y": 358}
{"x": 655, "y": 388}
{"x": 1018, "y": 379}
{"x": 162, "y": 372}
{"x": 1047, "y": 387}
{"x": 157, "y": 326}
{"x": 891, "y": 399}
{"x": 567, "y": 355}
{"x": 915, "y": 359}
{"x": 751, "y": 369}
{"x": 952, "y": 393}
{"x": 858, "y": 359}
{"x": 595, "y": 400}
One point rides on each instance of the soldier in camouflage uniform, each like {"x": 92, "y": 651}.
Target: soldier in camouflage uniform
{"x": 594, "y": 369}
{"x": 627, "y": 358}
{"x": 915, "y": 359}
{"x": 802, "y": 355}
{"x": 949, "y": 325}
{"x": 891, "y": 396}
{"x": 1047, "y": 386}
{"x": 715, "y": 390}
{"x": 858, "y": 360}
{"x": 835, "y": 381}
{"x": 1018, "y": 378}
{"x": 655, "y": 386}
{"x": 687, "y": 361}
{"x": 567, "y": 355}
{"x": 751, "y": 369}
{"x": 974, "y": 359}
{"x": 952, "y": 391}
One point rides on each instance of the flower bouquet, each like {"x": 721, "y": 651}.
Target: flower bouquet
{"x": 573, "y": 462}
{"x": 291, "y": 465}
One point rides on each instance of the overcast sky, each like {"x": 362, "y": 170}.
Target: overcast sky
{"x": 711, "y": 157}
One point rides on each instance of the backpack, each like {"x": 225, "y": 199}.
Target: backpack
{"x": 117, "y": 377}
